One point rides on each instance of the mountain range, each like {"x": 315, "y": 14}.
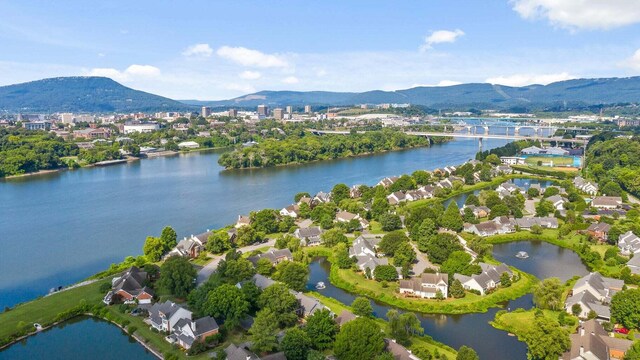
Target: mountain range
{"x": 103, "y": 95}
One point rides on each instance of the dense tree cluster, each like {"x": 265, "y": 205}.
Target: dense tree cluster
{"x": 618, "y": 161}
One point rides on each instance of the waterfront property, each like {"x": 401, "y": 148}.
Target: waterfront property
{"x": 164, "y": 316}
{"x": 592, "y": 342}
{"x": 585, "y": 186}
{"x": 309, "y": 236}
{"x": 130, "y": 288}
{"x": 599, "y": 231}
{"x": 426, "y": 286}
{"x": 629, "y": 243}
{"x": 593, "y": 292}
{"x": 190, "y": 247}
{"x": 275, "y": 256}
{"x": 486, "y": 281}
{"x": 497, "y": 226}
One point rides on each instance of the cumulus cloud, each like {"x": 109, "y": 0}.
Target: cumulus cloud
{"x": 580, "y": 14}
{"x": 290, "y": 80}
{"x": 134, "y": 71}
{"x": 248, "y": 57}
{"x": 528, "y": 79}
{"x": 634, "y": 61}
{"x": 250, "y": 75}
{"x": 441, "y": 36}
{"x": 198, "y": 50}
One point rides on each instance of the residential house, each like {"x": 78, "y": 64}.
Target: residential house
{"x": 505, "y": 169}
{"x": 292, "y": 210}
{"x": 427, "y": 191}
{"x": 276, "y": 256}
{"x": 164, "y": 316}
{"x": 186, "y": 332}
{"x": 261, "y": 281}
{"x": 388, "y": 181}
{"x": 426, "y": 286}
{"x": 235, "y": 352}
{"x": 526, "y": 223}
{"x": 607, "y": 202}
{"x": 396, "y": 198}
{"x": 593, "y": 292}
{"x": 92, "y": 133}
{"x": 585, "y": 186}
{"x": 445, "y": 184}
{"x": 599, "y": 231}
{"x": 130, "y": 287}
{"x": 190, "y": 247}
{"x": 478, "y": 211}
{"x": 305, "y": 223}
{"x": 355, "y": 192}
{"x": 512, "y": 160}
{"x": 321, "y": 198}
{"x": 634, "y": 265}
{"x": 629, "y": 243}
{"x": 592, "y": 342}
{"x": 345, "y": 217}
{"x": 398, "y": 351}
{"x": 310, "y": 236}
{"x": 344, "y": 317}
{"x": 364, "y": 246}
{"x": 509, "y": 188}
{"x": 557, "y": 201}
{"x": 499, "y": 225}
{"x": 449, "y": 170}
{"x": 486, "y": 281}
{"x": 308, "y": 305}
{"x": 242, "y": 221}
{"x": 305, "y": 200}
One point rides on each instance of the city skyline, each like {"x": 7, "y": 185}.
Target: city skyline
{"x": 221, "y": 50}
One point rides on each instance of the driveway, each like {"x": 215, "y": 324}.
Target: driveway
{"x": 423, "y": 261}
{"x": 208, "y": 269}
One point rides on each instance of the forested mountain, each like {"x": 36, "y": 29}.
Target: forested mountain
{"x": 563, "y": 93}
{"x": 81, "y": 94}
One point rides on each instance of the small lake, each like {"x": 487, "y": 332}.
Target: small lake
{"x": 80, "y": 338}
{"x": 523, "y": 183}
{"x": 474, "y": 330}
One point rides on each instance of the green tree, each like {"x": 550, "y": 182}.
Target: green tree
{"x": 457, "y": 262}
{"x": 548, "y": 294}
{"x": 576, "y": 309}
{"x": 300, "y": 195}
{"x": 493, "y": 159}
{"x": 234, "y": 271}
{"x": 421, "y": 177}
{"x": 342, "y": 256}
{"x": 295, "y": 344}
{"x": 404, "y": 255}
{"x": 227, "y": 303}
{"x": 264, "y": 331}
{"x": 153, "y": 248}
{"x": 380, "y": 206}
{"x": 333, "y": 237}
{"x": 218, "y": 242}
{"x": 472, "y": 199}
{"x": 265, "y": 221}
{"x": 385, "y": 273}
{"x": 177, "y": 276}
{"x": 390, "y": 222}
{"x": 625, "y": 308}
{"x": 505, "y": 279}
{"x": 169, "y": 238}
{"x": 551, "y": 191}
{"x": 546, "y": 340}
{"x": 281, "y": 302}
{"x": 361, "y": 306}
{"x": 339, "y": 193}
{"x": 440, "y": 247}
{"x": 391, "y": 241}
{"x": 359, "y": 339}
{"x": 544, "y": 208}
{"x": 403, "y": 326}
{"x": 293, "y": 274}
{"x": 451, "y": 219}
{"x": 264, "y": 266}
{"x": 467, "y": 353}
{"x": 247, "y": 235}
{"x": 633, "y": 353}
{"x": 322, "y": 329}
{"x": 457, "y": 290}
{"x": 404, "y": 182}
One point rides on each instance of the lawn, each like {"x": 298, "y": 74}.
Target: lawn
{"x": 557, "y": 160}
{"x": 44, "y": 310}
{"x": 520, "y": 322}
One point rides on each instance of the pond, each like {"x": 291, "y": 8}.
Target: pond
{"x": 80, "y": 338}
{"x": 474, "y": 330}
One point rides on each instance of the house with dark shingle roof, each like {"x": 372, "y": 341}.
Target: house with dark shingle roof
{"x": 599, "y": 231}
{"x": 629, "y": 243}
{"x": 276, "y": 256}
{"x": 186, "y": 332}
{"x": 235, "y": 352}
{"x": 310, "y": 236}
{"x": 592, "y": 342}
{"x": 593, "y": 292}
{"x": 164, "y": 316}
{"x": 486, "y": 281}
{"x": 130, "y": 287}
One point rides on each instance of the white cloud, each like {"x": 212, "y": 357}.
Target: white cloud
{"x": 441, "y": 36}
{"x": 132, "y": 72}
{"x": 440, "y": 83}
{"x": 528, "y": 79}
{"x": 198, "y": 50}
{"x": 634, "y": 61}
{"x": 581, "y": 14}
{"x": 250, "y": 75}
{"x": 290, "y": 80}
{"x": 249, "y": 57}
{"x": 241, "y": 88}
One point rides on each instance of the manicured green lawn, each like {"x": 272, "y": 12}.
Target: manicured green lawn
{"x": 44, "y": 310}
{"x": 521, "y": 322}
{"x": 557, "y": 160}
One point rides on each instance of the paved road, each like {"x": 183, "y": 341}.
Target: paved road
{"x": 208, "y": 269}
{"x": 423, "y": 261}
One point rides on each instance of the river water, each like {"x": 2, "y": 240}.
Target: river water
{"x": 59, "y": 228}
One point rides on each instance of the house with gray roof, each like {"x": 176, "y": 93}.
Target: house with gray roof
{"x": 557, "y": 201}
{"x": 526, "y": 223}
{"x": 634, "y": 265}
{"x": 486, "y": 281}
{"x": 308, "y": 305}
{"x": 130, "y": 287}
{"x": 275, "y": 256}
{"x": 344, "y": 317}
{"x": 426, "y": 286}
{"x": 629, "y": 243}
{"x": 499, "y": 225}
{"x": 310, "y": 236}
{"x": 398, "y": 351}
{"x": 592, "y": 342}
{"x": 186, "y": 332}
{"x": 593, "y": 292}
{"x": 607, "y": 202}
{"x": 164, "y": 316}
{"x": 599, "y": 230}
{"x": 190, "y": 246}
{"x": 388, "y": 181}
{"x": 585, "y": 186}
{"x": 235, "y": 352}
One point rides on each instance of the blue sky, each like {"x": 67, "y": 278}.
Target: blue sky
{"x": 223, "y": 49}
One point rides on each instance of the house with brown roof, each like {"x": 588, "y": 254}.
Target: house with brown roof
{"x": 425, "y": 286}
{"x": 499, "y": 225}
{"x": 130, "y": 288}
{"x": 592, "y": 342}
{"x": 345, "y": 217}
{"x": 398, "y": 351}
{"x": 599, "y": 231}
{"x": 388, "y": 181}
{"x": 242, "y": 221}
{"x": 607, "y": 202}
{"x": 292, "y": 210}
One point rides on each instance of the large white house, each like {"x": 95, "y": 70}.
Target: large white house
{"x": 426, "y": 286}
{"x": 593, "y": 292}
{"x": 164, "y": 316}
{"x": 629, "y": 243}
{"x": 488, "y": 280}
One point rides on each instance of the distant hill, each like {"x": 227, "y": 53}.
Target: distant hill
{"x": 578, "y": 91}
{"x": 81, "y": 94}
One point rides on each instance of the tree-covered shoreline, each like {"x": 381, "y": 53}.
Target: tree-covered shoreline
{"x": 308, "y": 148}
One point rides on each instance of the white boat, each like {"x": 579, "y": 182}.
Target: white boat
{"x": 320, "y": 285}
{"x": 522, "y": 255}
